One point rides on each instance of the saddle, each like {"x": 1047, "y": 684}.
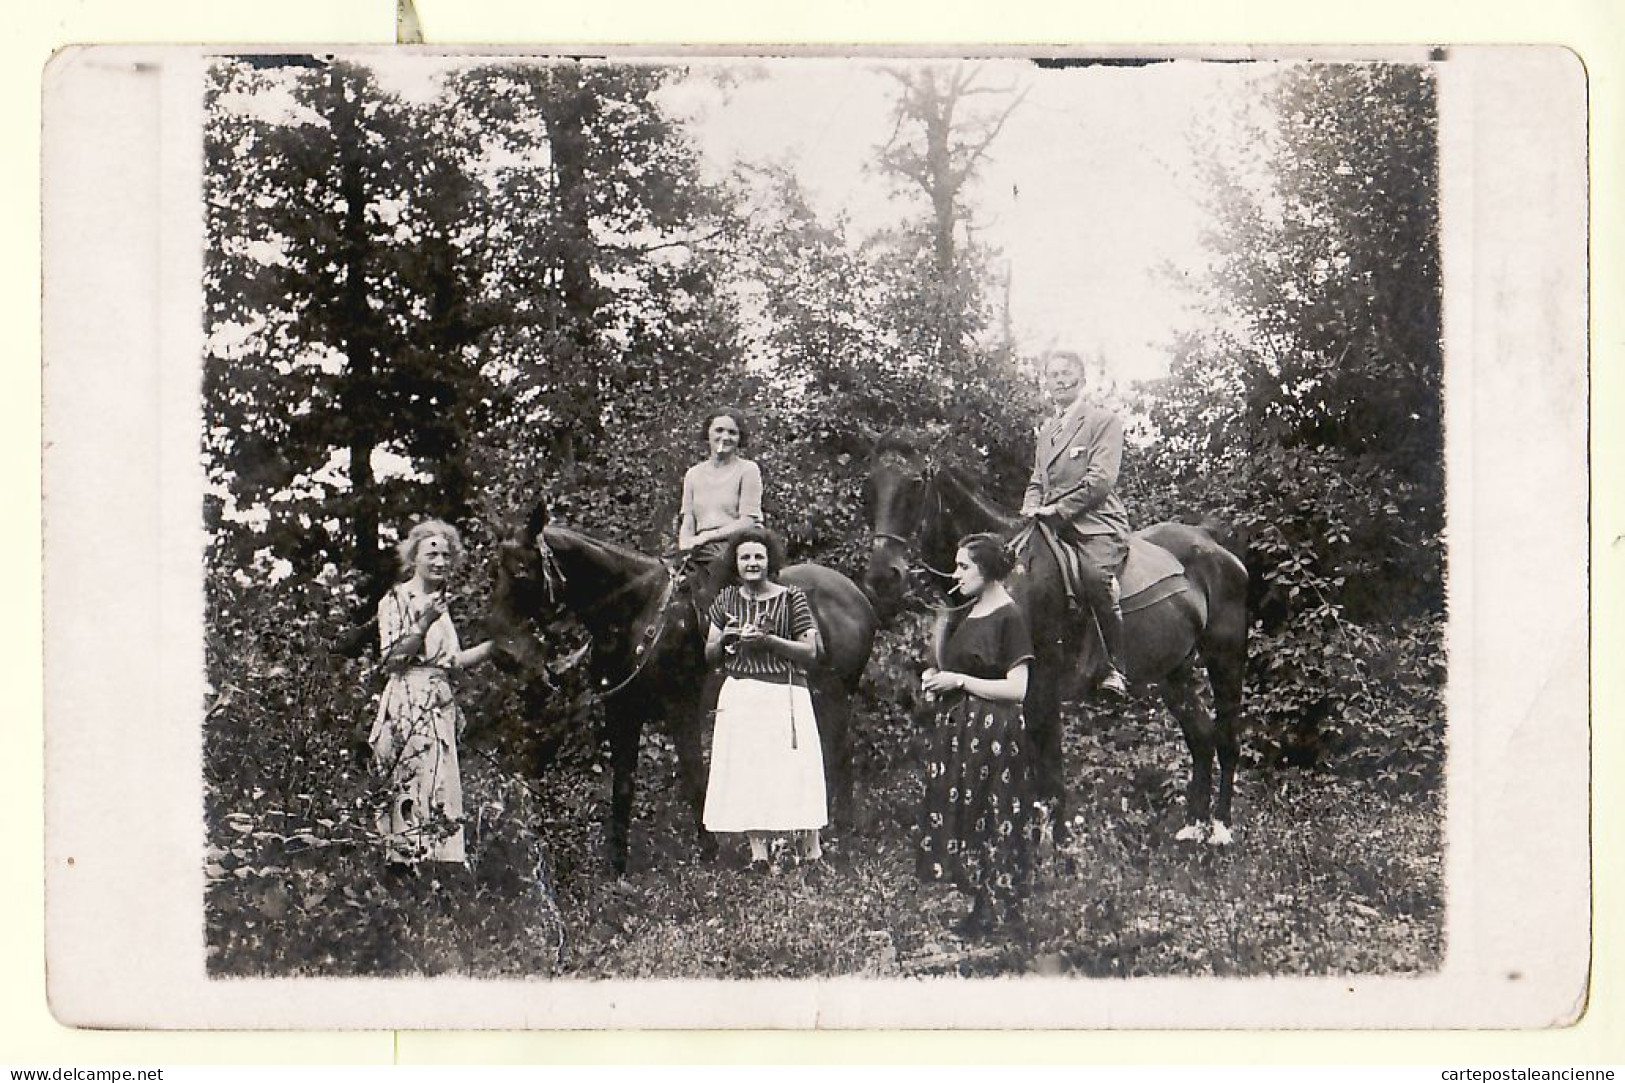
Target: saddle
{"x": 1150, "y": 574}
{"x": 1144, "y": 580}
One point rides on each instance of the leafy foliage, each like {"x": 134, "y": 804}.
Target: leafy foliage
{"x": 337, "y": 314}
{"x": 522, "y": 288}
{"x": 1308, "y": 419}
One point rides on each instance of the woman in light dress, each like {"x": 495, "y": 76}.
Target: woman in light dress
{"x": 767, "y": 764}
{"x": 414, "y": 739}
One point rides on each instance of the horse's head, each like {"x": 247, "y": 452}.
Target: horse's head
{"x": 895, "y": 503}
{"x": 521, "y": 598}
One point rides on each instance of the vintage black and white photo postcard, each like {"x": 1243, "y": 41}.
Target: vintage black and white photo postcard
{"x": 816, "y": 538}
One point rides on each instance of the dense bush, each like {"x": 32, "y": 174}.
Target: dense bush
{"x": 1345, "y": 671}
{"x": 296, "y": 879}
{"x": 567, "y": 301}
{"x": 1330, "y": 876}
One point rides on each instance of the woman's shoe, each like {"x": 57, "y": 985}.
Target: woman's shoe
{"x": 976, "y": 924}
{"x": 759, "y": 866}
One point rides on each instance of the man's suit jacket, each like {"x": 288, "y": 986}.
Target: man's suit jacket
{"x": 1075, "y": 466}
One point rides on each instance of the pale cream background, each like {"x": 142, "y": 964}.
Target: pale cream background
{"x": 122, "y": 747}
{"x": 40, "y": 1040}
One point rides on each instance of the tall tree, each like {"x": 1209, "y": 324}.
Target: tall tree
{"x": 599, "y": 242}
{"x": 336, "y": 308}
{"x": 939, "y": 139}
{"x": 942, "y": 287}
{"x": 1310, "y": 413}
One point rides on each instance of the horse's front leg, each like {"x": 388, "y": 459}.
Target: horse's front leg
{"x": 1180, "y": 694}
{"x": 692, "y": 720}
{"x": 625, "y": 725}
{"x": 1042, "y": 709}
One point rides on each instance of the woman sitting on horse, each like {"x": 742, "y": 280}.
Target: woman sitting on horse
{"x": 767, "y": 762}
{"x": 722, "y": 496}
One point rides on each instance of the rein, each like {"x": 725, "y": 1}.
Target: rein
{"x": 553, "y": 578}
{"x": 652, "y": 636}
{"x": 552, "y": 574}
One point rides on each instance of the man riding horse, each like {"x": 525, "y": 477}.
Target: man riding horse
{"x": 1072, "y": 506}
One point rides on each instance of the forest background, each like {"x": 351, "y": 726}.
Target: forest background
{"x": 527, "y": 284}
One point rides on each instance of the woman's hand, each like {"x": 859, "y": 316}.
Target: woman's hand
{"x": 434, "y": 608}
{"x": 937, "y": 681}
{"x": 473, "y": 656}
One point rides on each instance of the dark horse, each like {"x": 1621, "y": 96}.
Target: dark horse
{"x": 912, "y": 502}
{"x": 648, "y": 657}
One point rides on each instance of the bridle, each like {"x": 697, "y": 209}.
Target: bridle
{"x": 652, "y": 635}
{"x": 915, "y": 562}
{"x": 554, "y": 580}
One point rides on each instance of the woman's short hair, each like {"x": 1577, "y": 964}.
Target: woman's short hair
{"x": 428, "y": 528}
{"x": 989, "y": 554}
{"x": 761, "y": 536}
{"x": 738, "y": 418}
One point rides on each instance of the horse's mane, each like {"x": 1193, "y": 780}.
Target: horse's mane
{"x": 540, "y": 519}
{"x": 938, "y": 449}
{"x": 615, "y": 549}
{"x": 900, "y": 442}
{"x": 974, "y": 492}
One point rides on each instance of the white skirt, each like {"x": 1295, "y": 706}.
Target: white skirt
{"x": 767, "y": 766}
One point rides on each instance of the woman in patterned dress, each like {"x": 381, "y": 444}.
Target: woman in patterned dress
{"x": 767, "y": 764}
{"x": 414, "y": 739}
{"x": 978, "y": 807}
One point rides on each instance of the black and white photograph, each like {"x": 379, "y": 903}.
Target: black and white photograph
{"x": 974, "y": 540}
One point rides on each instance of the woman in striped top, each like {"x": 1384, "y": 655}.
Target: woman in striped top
{"x": 767, "y": 765}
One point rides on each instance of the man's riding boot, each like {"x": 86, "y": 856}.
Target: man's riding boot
{"x": 1110, "y": 617}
